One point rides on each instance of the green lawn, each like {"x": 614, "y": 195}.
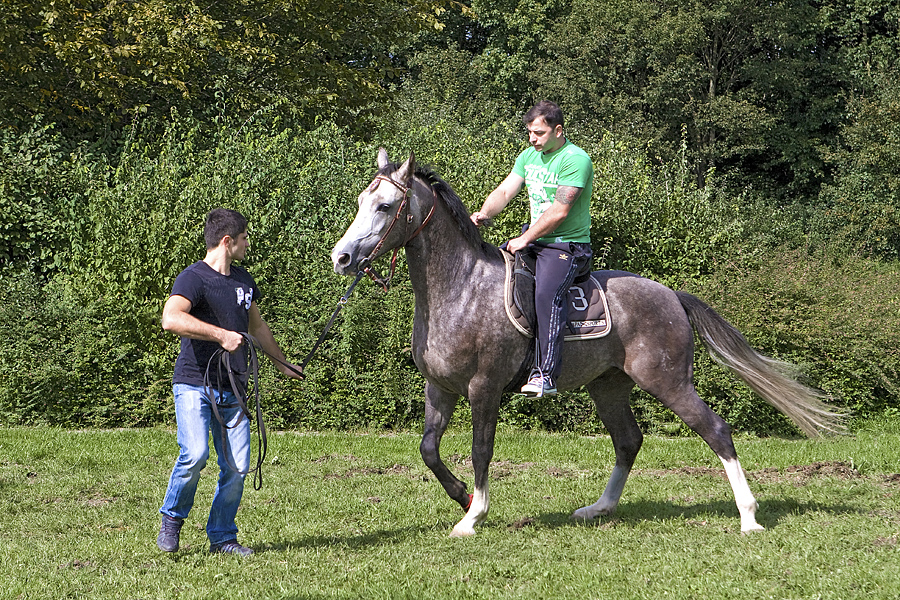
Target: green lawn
{"x": 359, "y": 516}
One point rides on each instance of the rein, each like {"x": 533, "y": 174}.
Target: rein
{"x": 240, "y": 394}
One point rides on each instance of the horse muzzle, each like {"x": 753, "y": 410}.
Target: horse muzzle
{"x": 345, "y": 263}
{"x": 349, "y": 258}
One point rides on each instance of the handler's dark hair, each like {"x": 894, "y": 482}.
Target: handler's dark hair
{"x": 550, "y": 111}
{"x": 221, "y": 222}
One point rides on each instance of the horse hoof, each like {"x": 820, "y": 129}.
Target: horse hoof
{"x": 752, "y": 528}
{"x": 462, "y": 532}
{"x": 582, "y": 514}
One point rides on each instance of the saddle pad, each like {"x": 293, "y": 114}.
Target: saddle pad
{"x": 588, "y": 309}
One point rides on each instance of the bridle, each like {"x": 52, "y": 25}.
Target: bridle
{"x": 365, "y": 265}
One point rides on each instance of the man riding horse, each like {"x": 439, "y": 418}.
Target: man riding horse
{"x": 559, "y": 177}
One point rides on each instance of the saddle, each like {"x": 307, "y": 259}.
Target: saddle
{"x": 588, "y": 309}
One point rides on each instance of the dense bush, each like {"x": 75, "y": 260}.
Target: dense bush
{"x": 39, "y": 200}
{"x": 84, "y": 346}
{"x": 835, "y": 315}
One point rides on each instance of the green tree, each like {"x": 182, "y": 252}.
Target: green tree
{"x": 862, "y": 208}
{"x": 88, "y": 62}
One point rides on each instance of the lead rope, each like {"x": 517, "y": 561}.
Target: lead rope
{"x": 240, "y": 394}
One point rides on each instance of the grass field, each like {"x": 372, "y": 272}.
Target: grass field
{"x": 359, "y": 516}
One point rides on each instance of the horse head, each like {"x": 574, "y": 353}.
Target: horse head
{"x": 383, "y": 219}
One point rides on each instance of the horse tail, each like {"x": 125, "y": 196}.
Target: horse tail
{"x": 774, "y": 380}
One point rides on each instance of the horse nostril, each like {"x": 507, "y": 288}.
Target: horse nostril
{"x": 343, "y": 259}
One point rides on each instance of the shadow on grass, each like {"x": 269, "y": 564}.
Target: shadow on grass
{"x": 363, "y": 540}
{"x": 770, "y": 513}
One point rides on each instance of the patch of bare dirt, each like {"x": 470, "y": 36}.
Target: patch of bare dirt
{"x": 803, "y": 474}
{"x": 521, "y": 524}
{"x": 797, "y": 474}
{"x": 689, "y": 471}
{"x": 393, "y": 470}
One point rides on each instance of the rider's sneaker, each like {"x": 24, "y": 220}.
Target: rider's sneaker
{"x": 539, "y": 386}
{"x": 230, "y": 547}
{"x": 169, "y": 532}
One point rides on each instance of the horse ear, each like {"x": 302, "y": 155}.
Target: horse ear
{"x": 382, "y": 158}
{"x": 407, "y": 169}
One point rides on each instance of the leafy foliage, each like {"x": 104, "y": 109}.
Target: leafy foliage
{"x": 862, "y": 207}
{"x": 835, "y": 315}
{"x": 90, "y": 63}
{"x": 737, "y": 146}
{"x": 39, "y": 200}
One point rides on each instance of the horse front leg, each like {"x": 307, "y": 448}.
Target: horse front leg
{"x": 439, "y": 407}
{"x": 485, "y": 411}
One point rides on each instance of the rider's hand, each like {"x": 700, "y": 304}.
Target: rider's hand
{"x": 479, "y": 218}
{"x": 516, "y": 244}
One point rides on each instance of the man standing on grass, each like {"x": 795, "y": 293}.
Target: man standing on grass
{"x": 212, "y": 303}
{"x": 559, "y": 177}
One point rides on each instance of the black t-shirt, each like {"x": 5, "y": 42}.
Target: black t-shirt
{"x": 220, "y": 300}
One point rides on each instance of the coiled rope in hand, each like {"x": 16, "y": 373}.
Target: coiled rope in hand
{"x": 222, "y": 361}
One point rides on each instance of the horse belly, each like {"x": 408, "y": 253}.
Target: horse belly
{"x": 583, "y": 361}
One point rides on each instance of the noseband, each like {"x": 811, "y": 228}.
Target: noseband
{"x": 404, "y": 205}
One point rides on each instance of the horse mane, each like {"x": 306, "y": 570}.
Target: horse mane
{"x": 454, "y": 206}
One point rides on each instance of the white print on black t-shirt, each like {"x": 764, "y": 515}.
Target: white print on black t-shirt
{"x": 244, "y": 297}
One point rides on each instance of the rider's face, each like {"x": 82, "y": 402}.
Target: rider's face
{"x": 543, "y": 137}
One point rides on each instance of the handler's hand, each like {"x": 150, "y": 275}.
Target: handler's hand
{"x": 231, "y": 340}
{"x": 293, "y": 371}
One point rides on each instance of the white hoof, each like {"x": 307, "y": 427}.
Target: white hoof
{"x": 584, "y": 514}
{"x": 462, "y": 531}
{"x": 747, "y": 528}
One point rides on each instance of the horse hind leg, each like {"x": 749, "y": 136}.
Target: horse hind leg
{"x": 685, "y": 403}
{"x": 610, "y": 394}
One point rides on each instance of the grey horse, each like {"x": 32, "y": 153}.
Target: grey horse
{"x": 464, "y": 344}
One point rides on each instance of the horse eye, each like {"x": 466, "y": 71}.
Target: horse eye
{"x": 384, "y": 207}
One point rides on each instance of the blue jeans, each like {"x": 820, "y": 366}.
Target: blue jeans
{"x": 195, "y": 419}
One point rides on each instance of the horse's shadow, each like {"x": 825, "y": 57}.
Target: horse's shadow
{"x": 372, "y": 538}
{"x": 633, "y": 513}
{"x": 629, "y": 514}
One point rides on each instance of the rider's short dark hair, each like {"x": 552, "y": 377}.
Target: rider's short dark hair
{"x": 221, "y": 222}
{"x": 550, "y": 111}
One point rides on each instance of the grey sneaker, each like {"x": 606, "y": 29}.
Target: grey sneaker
{"x": 169, "y": 532}
{"x": 539, "y": 386}
{"x": 230, "y": 547}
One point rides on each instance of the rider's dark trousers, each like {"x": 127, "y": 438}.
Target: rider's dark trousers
{"x": 558, "y": 265}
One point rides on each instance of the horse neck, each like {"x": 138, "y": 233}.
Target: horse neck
{"x": 442, "y": 261}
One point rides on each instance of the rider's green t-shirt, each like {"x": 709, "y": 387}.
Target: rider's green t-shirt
{"x": 543, "y": 173}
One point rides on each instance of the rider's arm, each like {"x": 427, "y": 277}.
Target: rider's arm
{"x": 499, "y": 198}
{"x": 552, "y": 218}
{"x": 177, "y": 319}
